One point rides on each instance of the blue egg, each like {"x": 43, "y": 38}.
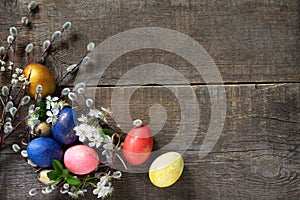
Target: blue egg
{"x": 43, "y": 150}
{"x": 62, "y": 130}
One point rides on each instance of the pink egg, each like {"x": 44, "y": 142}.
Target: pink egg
{"x": 81, "y": 159}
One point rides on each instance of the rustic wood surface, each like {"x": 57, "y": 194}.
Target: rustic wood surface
{"x": 255, "y": 45}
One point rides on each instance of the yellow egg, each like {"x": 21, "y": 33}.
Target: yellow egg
{"x": 39, "y": 75}
{"x": 166, "y": 169}
{"x": 44, "y": 178}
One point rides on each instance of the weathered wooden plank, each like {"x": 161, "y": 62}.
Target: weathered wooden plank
{"x": 249, "y": 41}
{"x": 256, "y": 156}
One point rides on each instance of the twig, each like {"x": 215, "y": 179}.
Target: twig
{"x": 74, "y": 69}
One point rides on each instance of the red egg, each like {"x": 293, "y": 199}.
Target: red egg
{"x": 138, "y": 144}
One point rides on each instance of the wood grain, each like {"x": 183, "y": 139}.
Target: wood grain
{"x": 255, "y": 45}
{"x": 256, "y": 156}
{"x": 250, "y": 42}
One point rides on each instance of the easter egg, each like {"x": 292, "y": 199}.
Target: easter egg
{"x": 62, "y": 130}
{"x": 81, "y": 159}
{"x": 39, "y": 75}
{"x": 43, "y": 150}
{"x": 43, "y": 177}
{"x": 43, "y": 129}
{"x": 166, "y": 169}
{"x": 138, "y": 144}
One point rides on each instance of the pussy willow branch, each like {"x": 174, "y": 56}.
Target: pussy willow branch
{"x": 17, "y": 126}
{"x": 9, "y": 45}
{"x": 74, "y": 69}
{"x": 50, "y": 45}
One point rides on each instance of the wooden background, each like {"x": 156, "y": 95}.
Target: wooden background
{"x": 254, "y": 43}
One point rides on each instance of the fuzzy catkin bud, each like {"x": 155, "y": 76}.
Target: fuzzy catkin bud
{"x": 24, "y": 153}
{"x": 38, "y": 97}
{"x": 25, "y": 21}
{"x": 39, "y": 88}
{"x": 8, "y": 106}
{"x": 90, "y": 46}
{"x": 8, "y": 128}
{"x": 72, "y": 96}
{"x": 13, "y": 111}
{"x": 13, "y": 31}
{"x": 71, "y": 67}
{"x": 46, "y": 44}
{"x": 5, "y": 91}
{"x": 29, "y": 48}
{"x": 10, "y": 39}
{"x": 85, "y": 60}
{"x": 65, "y": 91}
{"x": 31, "y": 163}
{"x": 79, "y": 85}
{"x": 16, "y": 148}
{"x": 117, "y": 175}
{"x": 56, "y": 35}
{"x": 80, "y": 90}
{"x": 33, "y": 192}
{"x": 89, "y": 103}
{"x": 2, "y": 49}
{"x": 137, "y": 123}
{"x": 25, "y": 100}
{"x": 32, "y": 5}
{"x": 67, "y": 26}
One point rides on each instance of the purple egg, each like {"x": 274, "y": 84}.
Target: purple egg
{"x": 62, "y": 130}
{"x": 43, "y": 150}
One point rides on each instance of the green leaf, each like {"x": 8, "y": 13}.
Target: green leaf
{"x": 53, "y": 175}
{"x": 65, "y": 172}
{"x": 42, "y": 111}
{"x": 57, "y": 166}
{"x": 108, "y": 131}
{"x": 73, "y": 181}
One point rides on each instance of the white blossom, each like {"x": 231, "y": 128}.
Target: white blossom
{"x": 85, "y": 131}
{"x": 52, "y": 116}
{"x": 102, "y": 190}
{"x": 95, "y": 113}
{"x": 108, "y": 148}
{"x": 83, "y": 119}
{"x": 96, "y": 140}
{"x": 50, "y": 102}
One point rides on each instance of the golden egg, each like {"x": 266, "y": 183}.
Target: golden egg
{"x": 39, "y": 75}
{"x": 166, "y": 169}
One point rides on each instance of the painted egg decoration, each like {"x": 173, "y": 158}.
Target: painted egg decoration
{"x": 42, "y": 129}
{"x": 81, "y": 159}
{"x": 62, "y": 130}
{"x": 43, "y": 177}
{"x": 39, "y": 75}
{"x": 43, "y": 150}
{"x": 138, "y": 144}
{"x": 166, "y": 169}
